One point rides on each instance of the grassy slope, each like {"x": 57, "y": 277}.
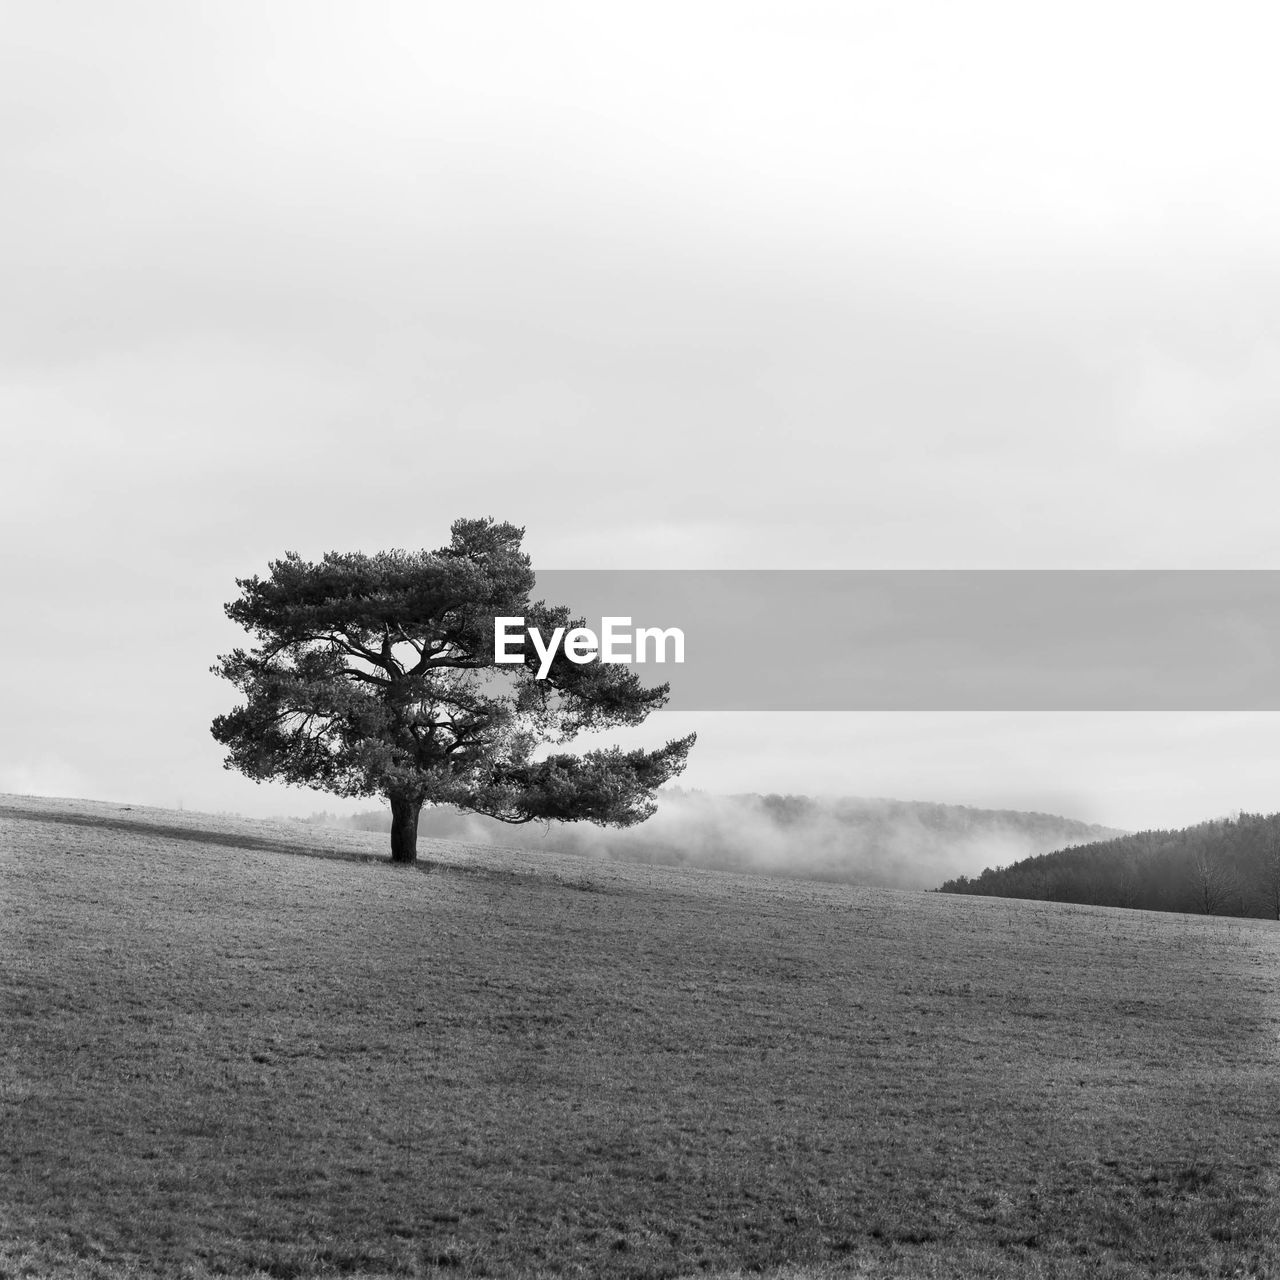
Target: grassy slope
{"x": 219, "y": 1056}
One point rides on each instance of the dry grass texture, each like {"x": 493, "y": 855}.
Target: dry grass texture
{"x": 222, "y": 1054}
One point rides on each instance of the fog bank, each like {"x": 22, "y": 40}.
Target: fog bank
{"x": 890, "y": 843}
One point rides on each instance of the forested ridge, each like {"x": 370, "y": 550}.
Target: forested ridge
{"x": 1225, "y": 867}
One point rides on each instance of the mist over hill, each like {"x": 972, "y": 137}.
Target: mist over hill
{"x": 1226, "y": 867}
{"x": 887, "y": 843}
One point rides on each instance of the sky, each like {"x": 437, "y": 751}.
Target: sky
{"x": 712, "y": 285}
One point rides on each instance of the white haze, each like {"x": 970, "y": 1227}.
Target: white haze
{"x": 879, "y": 842}
{"x": 752, "y": 285}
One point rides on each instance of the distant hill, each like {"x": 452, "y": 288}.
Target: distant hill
{"x": 888, "y": 843}
{"x": 1228, "y": 867}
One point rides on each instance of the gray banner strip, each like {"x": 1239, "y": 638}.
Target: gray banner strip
{"x": 943, "y": 640}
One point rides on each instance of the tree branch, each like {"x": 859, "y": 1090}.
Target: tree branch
{"x": 411, "y": 642}
{"x": 356, "y": 674}
{"x": 345, "y": 643}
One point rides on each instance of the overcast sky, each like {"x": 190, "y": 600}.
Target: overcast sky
{"x": 715, "y": 285}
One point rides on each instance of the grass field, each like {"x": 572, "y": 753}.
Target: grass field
{"x": 260, "y": 1050}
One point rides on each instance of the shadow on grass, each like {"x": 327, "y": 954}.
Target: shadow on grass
{"x": 194, "y": 835}
{"x": 229, "y": 839}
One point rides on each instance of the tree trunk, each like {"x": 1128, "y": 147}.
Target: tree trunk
{"x": 404, "y": 829}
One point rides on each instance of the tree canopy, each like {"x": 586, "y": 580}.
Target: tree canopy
{"x": 374, "y": 675}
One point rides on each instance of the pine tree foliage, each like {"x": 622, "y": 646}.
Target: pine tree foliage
{"x": 374, "y": 675}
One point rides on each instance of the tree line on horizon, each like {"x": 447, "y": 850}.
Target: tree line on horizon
{"x": 1223, "y": 867}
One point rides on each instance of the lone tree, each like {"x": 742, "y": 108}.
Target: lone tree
{"x": 374, "y": 675}
{"x": 1217, "y": 888}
